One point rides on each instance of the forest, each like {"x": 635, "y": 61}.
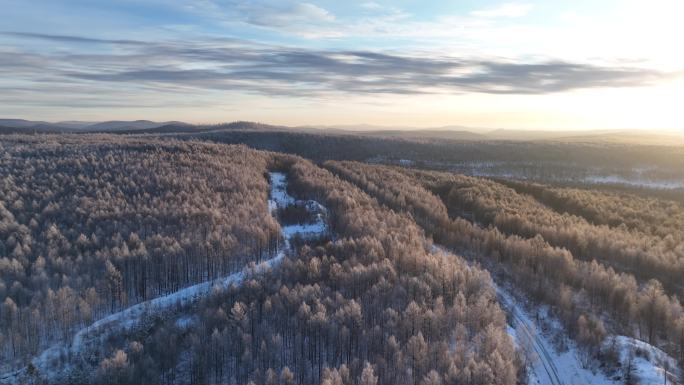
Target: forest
{"x": 144, "y": 259}
{"x": 649, "y": 215}
{"x": 374, "y": 307}
{"x": 90, "y": 226}
{"x": 543, "y": 160}
{"x": 492, "y": 223}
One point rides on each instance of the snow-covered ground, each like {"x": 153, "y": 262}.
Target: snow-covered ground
{"x": 649, "y": 177}
{"x": 556, "y": 367}
{"x": 279, "y": 196}
{"x": 635, "y": 182}
{"x": 280, "y": 199}
{"x": 305, "y": 231}
{"x": 125, "y": 320}
{"x": 553, "y": 367}
{"x": 649, "y": 363}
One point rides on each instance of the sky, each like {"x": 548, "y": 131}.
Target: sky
{"x": 583, "y": 64}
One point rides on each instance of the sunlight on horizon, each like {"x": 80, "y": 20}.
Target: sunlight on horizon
{"x": 494, "y": 64}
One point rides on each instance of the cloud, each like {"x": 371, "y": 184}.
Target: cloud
{"x": 371, "y": 5}
{"x": 68, "y": 39}
{"x": 212, "y": 66}
{"x": 285, "y": 16}
{"x": 299, "y": 18}
{"x": 507, "y": 10}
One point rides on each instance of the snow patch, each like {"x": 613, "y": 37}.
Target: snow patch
{"x": 645, "y": 176}
{"x": 305, "y": 231}
{"x": 649, "y": 363}
{"x": 635, "y": 182}
{"x": 281, "y": 199}
{"x": 551, "y": 367}
{"x": 279, "y": 196}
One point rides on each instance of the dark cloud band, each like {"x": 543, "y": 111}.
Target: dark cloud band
{"x": 225, "y": 64}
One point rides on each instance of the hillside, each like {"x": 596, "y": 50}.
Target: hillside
{"x": 128, "y": 249}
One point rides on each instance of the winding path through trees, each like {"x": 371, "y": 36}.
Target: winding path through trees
{"x": 536, "y": 343}
{"x": 551, "y": 367}
{"x": 127, "y": 319}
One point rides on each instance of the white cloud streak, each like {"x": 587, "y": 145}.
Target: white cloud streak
{"x": 228, "y": 65}
{"x": 507, "y": 10}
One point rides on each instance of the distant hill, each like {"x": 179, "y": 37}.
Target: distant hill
{"x": 21, "y": 123}
{"x": 180, "y": 127}
{"x": 438, "y": 133}
{"x": 427, "y": 134}
{"x": 24, "y": 129}
{"x": 629, "y": 137}
{"x": 29, "y": 126}
{"x": 245, "y": 125}
{"x": 372, "y": 127}
{"x": 453, "y": 133}
{"x": 116, "y": 125}
{"x": 482, "y": 134}
{"x": 74, "y": 124}
{"x": 173, "y": 128}
{"x": 513, "y": 134}
{"x": 12, "y": 130}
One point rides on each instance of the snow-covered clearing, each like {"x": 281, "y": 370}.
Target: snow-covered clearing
{"x": 48, "y": 362}
{"x": 280, "y": 199}
{"x": 551, "y": 366}
{"x": 647, "y": 177}
{"x": 567, "y": 367}
{"x": 279, "y": 196}
{"x": 305, "y": 231}
{"x": 649, "y": 363}
{"x": 554, "y": 367}
{"x": 635, "y": 182}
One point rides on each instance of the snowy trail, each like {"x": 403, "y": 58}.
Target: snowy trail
{"x": 128, "y": 318}
{"x": 556, "y": 367}
{"x": 545, "y": 371}
{"x": 552, "y": 367}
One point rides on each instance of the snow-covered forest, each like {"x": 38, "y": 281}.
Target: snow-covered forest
{"x": 558, "y": 260}
{"x": 153, "y": 260}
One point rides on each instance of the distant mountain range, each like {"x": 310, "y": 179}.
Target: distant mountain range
{"x": 10, "y": 126}
{"x": 459, "y": 133}
{"x": 122, "y": 126}
{"x": 75, "y": 126}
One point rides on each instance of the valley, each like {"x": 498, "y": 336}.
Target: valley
{"x": 286, "y": 270}
{"x": 310, "y": 192}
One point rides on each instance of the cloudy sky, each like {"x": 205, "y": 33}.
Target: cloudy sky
{"x": 549, "y": 64}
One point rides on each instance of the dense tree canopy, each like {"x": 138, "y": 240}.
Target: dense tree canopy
{"x": 374, "y": 306}
{"x": 574, "y": 286}
{"x": 92, "y": 224}
{"x": 652, "y": 216}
